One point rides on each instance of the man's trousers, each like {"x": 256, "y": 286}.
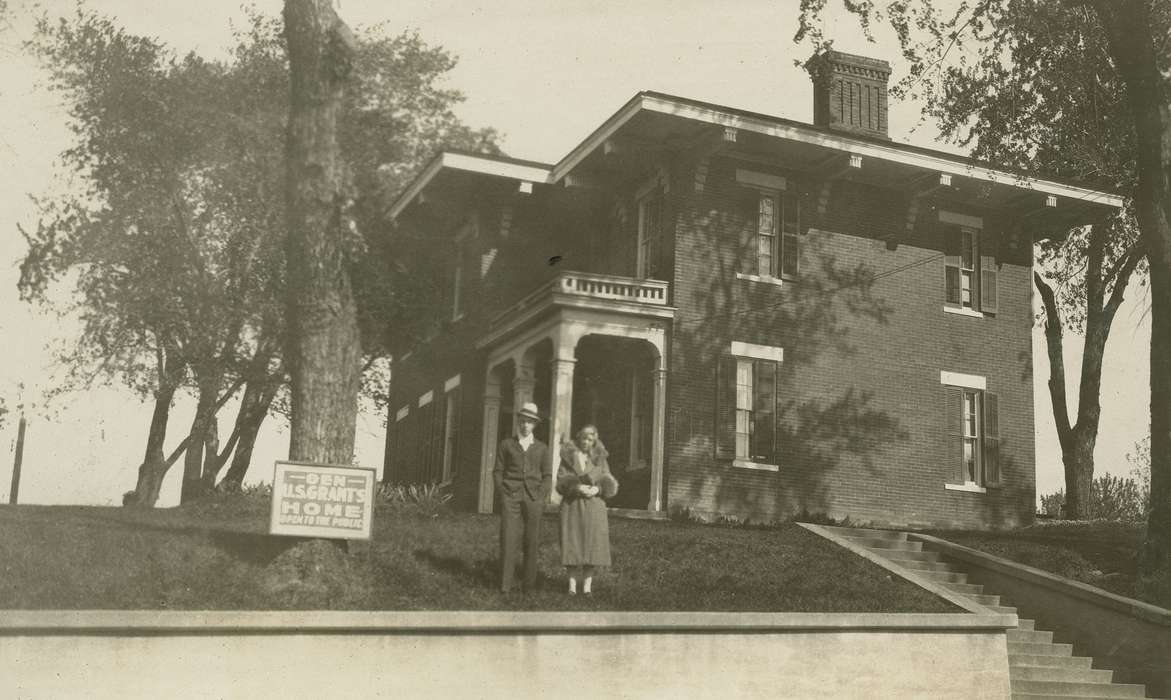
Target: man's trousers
{"x": 520, "y": 521}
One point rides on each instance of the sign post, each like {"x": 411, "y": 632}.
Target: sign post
{"x": 322, "y": 501}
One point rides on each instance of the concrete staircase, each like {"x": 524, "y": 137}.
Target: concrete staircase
{"x": 1039, "y": 669}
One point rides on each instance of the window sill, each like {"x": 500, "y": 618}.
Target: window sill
{"x": 969, "y": 486}
{"x": 962, "y": 312}
{"x": 777, "y": 281}
{"x": 758, "y": 466}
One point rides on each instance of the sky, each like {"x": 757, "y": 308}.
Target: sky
{"x": 544, "y": 75}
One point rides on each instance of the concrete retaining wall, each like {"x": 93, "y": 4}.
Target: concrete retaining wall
{"x": 1127, "y": 636}
{"x": 487, "y": 655}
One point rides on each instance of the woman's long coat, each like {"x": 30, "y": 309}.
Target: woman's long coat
{"x": 585, "y": 529}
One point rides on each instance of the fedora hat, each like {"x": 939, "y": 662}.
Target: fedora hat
{"x": 529, "y": 410}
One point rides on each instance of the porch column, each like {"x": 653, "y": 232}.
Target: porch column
{"x": 658, "y": 430}
{"x": 490, "y": 426}
{"x": 522, "y": 389}
{"x": 561, "y": 407}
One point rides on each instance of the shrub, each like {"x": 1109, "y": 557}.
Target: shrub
{"x": 1111, "y": 498}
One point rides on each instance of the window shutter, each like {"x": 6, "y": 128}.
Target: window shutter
{"x": 951, "y": 262}
{"x": 790, "y": 233}
{"x": 725, "y": 423}
{"x": 992, "y": 439}
{"x": 989, "y": 294}
{"x": 953, "y": 418}
{"x": 764, "y": 402}
{"x": 747, "y": 251}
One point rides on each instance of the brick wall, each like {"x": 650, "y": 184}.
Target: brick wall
{"x": 861, "y": 394}
{"x": 862, "y": 400}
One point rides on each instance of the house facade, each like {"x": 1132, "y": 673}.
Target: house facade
{"x": 762, "y": 317}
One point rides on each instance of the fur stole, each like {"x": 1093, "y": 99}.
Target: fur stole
{"x": 579, "y": 469}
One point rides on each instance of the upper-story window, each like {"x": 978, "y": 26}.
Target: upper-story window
{"x": 776, "y": 215}
{"x": 778, "y": 223}
{"x": 970, "y": 266}
{"x": 464, "y": 240}
{"x": 650, "y": 233}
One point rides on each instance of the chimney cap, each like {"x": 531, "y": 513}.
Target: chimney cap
{"x": 828, "y": 61}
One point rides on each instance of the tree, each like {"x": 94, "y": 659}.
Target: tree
{"x": 1135, "y": 56}
{"x": 175, "y": 247}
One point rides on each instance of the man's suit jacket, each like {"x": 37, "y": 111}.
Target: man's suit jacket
{"x": 528, "y": 472}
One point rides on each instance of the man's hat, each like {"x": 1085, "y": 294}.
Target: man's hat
{"x": 529, "y": 410}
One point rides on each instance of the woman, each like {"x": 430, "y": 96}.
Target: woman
{"x": 583, "y": 480}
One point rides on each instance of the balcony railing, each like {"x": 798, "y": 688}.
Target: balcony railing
{"x": 592, "y": 286}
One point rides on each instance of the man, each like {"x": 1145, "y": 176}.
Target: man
{"x": 523, "y": 475}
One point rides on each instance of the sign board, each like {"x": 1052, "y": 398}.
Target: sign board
{"x": 316, "y": 500}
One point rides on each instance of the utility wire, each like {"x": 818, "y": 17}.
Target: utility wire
{"x": 823, "y": 293}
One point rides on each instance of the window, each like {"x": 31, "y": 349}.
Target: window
{"x": 747, "y": 406}
{"x": 776, "y": 250}
{"x": 451, "y": 411}
{"x": 973, "y": 427}
{"x": 970, "y": 266}
{"x": 650, "y": 234}
{"x": 457, "y": 289}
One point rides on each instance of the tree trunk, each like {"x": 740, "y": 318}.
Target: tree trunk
{"x": 154, "y": 463}
{"x": 323, "y": 350}
{"x": 1136, "y": 35}
{"x": 258, "y": 397}
{"x": 201, "y": 427}
{"x": 1079, "y": 474}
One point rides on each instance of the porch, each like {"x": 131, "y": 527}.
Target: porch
{"x": 588, "y": 349}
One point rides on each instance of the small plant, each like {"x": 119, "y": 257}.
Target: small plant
{"x": 428, "y": 499}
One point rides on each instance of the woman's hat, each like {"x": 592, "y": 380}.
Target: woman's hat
{"x": 529, "y": 410}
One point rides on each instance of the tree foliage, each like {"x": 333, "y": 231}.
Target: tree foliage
{"x": 172, "y": 243}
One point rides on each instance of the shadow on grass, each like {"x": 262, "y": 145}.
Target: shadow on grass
{"x": 480, "y": 572}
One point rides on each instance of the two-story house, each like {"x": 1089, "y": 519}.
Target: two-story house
{"x": 761, "y": 316}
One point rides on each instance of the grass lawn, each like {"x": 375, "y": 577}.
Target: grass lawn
{"x": 217, "y": 555}
{"x": 1100, "y": 553}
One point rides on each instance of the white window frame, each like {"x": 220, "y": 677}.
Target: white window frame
{"x": 746, "y": 354}
{"x": 976, "y": 385}
{"x": 974, "y": 225}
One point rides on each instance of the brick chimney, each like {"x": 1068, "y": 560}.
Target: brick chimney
{"x": 849, "y": 92}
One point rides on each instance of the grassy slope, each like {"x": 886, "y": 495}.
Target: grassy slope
{"x": 1102, "y": 554}
{"x": 216, "y": 555}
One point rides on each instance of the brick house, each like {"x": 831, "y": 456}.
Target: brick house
{"x": 761, "y": 316}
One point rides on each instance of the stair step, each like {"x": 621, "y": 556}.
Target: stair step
{"x": 1024, "y": 623}
{"x": 1030, "y": 636}
{"x": 1057, "y": 673}
{"x": 943, "y": 576}
{"x": 1078, "y": 690}
{"x": 919, "y": 565}
{"x": 1040, "y": 649}
{"x": 992, "y": 600}
{"x": 899, "y": 556}
{"x": 965, "y": 588}
{"x": 1003, "y": 609}
{"x": 867, "y": 532}
{"x": 1046, "y": 660}
{"x": 884, "y": 544}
